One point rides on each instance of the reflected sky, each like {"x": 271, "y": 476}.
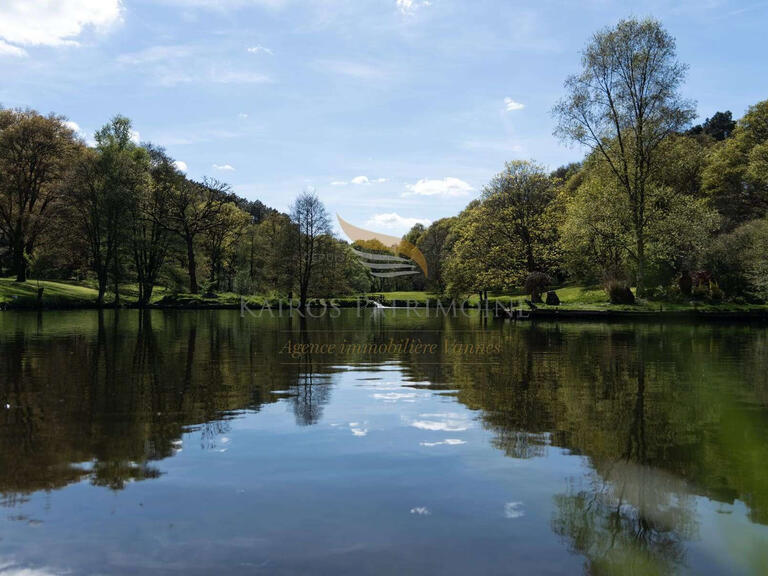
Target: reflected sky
{"x": 183, "y": 442}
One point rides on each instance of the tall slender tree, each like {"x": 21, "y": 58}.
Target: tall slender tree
{"x": 310, "y": 217}
{"x": 150, "y": 239}
{"x": 623, "y": 104}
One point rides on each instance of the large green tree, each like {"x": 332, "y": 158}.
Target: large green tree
{"x": 507, "y": 234}
{"x": 598, "y": 237}
{"x": 623, "y": 105}
{"x": 150, "y": 238}
{"x": 35, "y": 154}
{"x": 195, "y": 208}
{"x": 736, "y": 178}
{"x": 106, "y": 184}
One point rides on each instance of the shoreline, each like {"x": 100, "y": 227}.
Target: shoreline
{"x": 755, "y": 314}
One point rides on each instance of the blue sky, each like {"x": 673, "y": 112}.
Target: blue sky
{"x": 393, "y": 110}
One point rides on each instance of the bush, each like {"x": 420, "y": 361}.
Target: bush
{"x": 535, "y": 284}
{"x": 675, "y": 294}
{"x": 657, "y": 293}
{"x": 700, "y": 292}
{"x": 738, "y": 261}
{"x": 619, "y": 293}
{"x": 553, "y": 299}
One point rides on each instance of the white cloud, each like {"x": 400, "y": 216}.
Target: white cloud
{"x": 9, "y": 50}
{"x": 360, "y": 181}
{"x": 421, "y": 511}
{"x": 242, "y": 116}
{"x": 135, "y": 136}
{"x": 182, "y": 166}
{"x": 259, "y": 49}
{"x": 394, "y": 221}
{"x": 510, "y": 105}
{"x": 449, "y": 187}
{"x": 513, "y": 510}
{"x": 409, "y": 7}
{"x": 80, "y": 133}
{"x": 75, "y": 127}
{"x": 47, "y": 23}
{"x": 224, "y": 167}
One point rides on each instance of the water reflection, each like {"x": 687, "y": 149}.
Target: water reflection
{"x": 661, "y": 421}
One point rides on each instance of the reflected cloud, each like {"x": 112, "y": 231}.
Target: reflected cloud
{"x": 11, "y": 568}
{"x": 443, "y": 422}
{"x": 392, "y": 397}
{"x": 357, "y": 429}
{"x": 513, "y": 510}
{"x": 446, "y": 442}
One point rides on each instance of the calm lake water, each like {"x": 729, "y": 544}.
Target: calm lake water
{"x": 192, "y": 442}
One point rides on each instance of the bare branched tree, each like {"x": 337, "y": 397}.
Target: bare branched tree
{"x": 310, "y": 217}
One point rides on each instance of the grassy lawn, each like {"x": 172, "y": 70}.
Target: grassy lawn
{"x": 54, "y": 293}
{"x": 581, "y": 298}
{"x": 83, "y": 294}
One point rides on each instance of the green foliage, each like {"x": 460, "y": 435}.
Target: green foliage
{"x": 509, "y": 233}
{"x": 719, "y": 127}
{"x": 736, "y": 177}
{"x": 623, "y": 105}
{"x": 738, "y": 261}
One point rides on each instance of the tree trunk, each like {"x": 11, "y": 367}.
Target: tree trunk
{"x": 20, "y": 263}
{"x": 146, "y": 287}
{"x": 640, "y": 265}
{"x": 530, "y": 260}
{"x": 21, "y": 270}
{"x": 116, "y": 280}
{"x": 192, "y": 265}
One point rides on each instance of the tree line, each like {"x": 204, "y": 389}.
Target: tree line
{"x": 119, "y": 213}
{"x": 674, "y": 210}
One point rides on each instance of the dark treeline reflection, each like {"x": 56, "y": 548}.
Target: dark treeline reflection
{"x": 660, "y": 414}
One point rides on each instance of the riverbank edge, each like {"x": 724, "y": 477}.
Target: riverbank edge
{"x": 563, "y": 313}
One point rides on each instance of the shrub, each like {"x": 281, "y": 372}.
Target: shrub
{"x": 535, "y": 284}
{"x": 553, "y": 299}
{"x": 700, "y": 292}
{"x": 619, "y": 293}
{"x": 738, "y": 261}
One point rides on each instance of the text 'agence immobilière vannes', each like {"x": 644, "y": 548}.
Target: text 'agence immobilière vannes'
{"x": 413, "y": 346}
